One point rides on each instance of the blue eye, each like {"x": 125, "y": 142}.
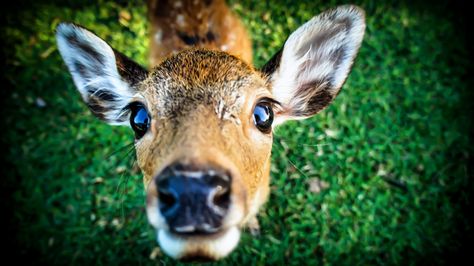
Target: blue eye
{"x": 139, "y": 120}
{"x": 263, "y": 117}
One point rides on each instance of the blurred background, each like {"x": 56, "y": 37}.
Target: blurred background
{"x": 382, "y": 176}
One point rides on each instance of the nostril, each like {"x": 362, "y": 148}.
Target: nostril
{"x": 167, "y": 198}
{"x": 219, "y": 194}
{"x": 221, "y": 197}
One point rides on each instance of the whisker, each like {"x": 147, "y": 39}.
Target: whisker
{"x": 291, "y": 162}
{"x": 299, "y": 170}
{"x": 128, "y": 155}
{"x": 122, "y": 185}
{"x": 120, "y": 149}
{"x": 315, "y": 145}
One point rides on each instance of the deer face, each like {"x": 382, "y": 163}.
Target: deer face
{"x": 201, "y": 188}
{"x": 203, "y": 121}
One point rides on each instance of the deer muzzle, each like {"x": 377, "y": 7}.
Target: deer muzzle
{"x": 193, "y": 200}
{"x": 195, "y": 211}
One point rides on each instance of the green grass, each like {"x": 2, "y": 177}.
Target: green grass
{"x": 393, "y": 148}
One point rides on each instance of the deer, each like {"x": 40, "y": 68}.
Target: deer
{"x": 203, "y": 116}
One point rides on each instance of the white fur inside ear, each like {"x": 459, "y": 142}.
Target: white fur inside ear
{"x": 323, "y": 49}
{"x": 92, "y": 64}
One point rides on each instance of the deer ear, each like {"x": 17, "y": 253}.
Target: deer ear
{"x": 105, "y": 78}
{"x": 315, "y": 61}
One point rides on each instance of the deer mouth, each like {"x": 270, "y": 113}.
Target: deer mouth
{"x": 199, "y": 247}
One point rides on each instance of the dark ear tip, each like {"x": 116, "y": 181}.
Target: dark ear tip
{"x": 64, "y": 25}
{"x": 64, "y": 28}
{"x": 357, "y": 12}
{"x": 60, "y": 28}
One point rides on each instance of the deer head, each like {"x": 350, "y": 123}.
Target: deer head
{"x": 203, "y": 121}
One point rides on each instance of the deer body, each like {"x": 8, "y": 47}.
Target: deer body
{"x": 203, "y": 118}
{"x": 183, "y": 24}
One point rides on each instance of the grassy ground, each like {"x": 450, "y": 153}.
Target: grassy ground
{"x": 392, "y": 151}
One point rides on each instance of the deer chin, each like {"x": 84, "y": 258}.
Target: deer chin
{"x": 208, "y": 247}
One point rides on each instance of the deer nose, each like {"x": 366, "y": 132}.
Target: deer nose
{"x": 193, "y": 201}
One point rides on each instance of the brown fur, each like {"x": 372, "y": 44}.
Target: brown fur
{"x": 177, "y": 25}
{"x": 202, "y": 114}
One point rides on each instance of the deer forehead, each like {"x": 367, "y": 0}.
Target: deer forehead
{"x": 193, "y": 78}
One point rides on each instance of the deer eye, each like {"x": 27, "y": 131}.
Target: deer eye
{"x": 139, "y": 119}
{"x": 263, "y": 116}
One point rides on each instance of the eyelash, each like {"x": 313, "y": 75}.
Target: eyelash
{"x": 276, "y": 105}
